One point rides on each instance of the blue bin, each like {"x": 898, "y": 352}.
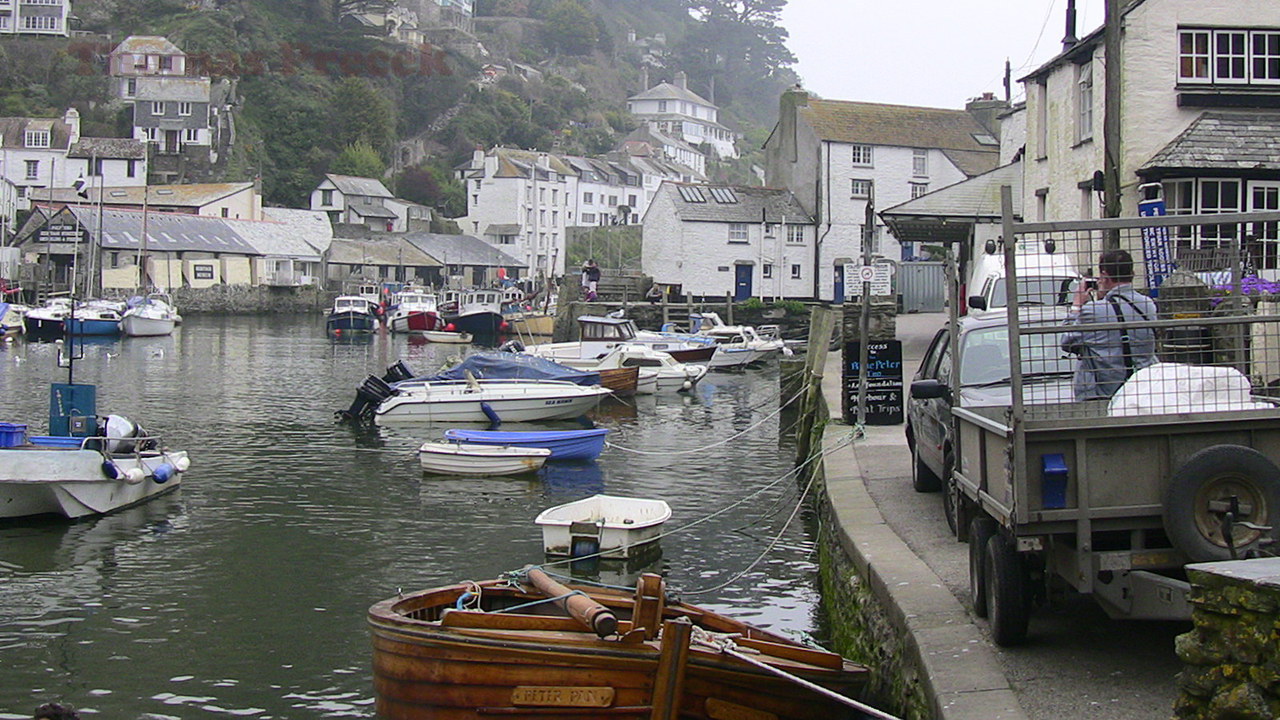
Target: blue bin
{"x": 56, "y": 441}
{"x": 12, "y": 434}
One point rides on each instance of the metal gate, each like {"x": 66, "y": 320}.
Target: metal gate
{"x": 923, "y": 286}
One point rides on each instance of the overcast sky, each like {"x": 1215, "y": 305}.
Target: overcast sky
{"x": 931, "y": 53}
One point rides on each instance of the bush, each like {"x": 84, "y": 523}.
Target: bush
{"x": 753, "y": 303}
{"x": 793, "y": 307}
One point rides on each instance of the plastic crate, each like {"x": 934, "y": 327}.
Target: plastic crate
{"x": 56, "y": 441}
{"x": 12, "y": 434}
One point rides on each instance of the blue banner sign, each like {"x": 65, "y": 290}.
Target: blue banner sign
{"x": 1156, "y": 251}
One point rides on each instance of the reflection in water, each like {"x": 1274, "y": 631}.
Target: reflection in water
{"x": 245, "y": 592}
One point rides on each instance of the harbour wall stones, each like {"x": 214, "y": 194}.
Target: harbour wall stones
{"x": 250, "y": 300}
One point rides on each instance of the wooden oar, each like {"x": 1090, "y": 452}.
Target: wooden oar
{"x": 582, "y": 608}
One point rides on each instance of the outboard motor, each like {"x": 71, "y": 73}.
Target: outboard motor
{"x": 397, "y": 372}
{"x": 511, "y": 346}
{"x": 369, "y": 396}
{"x": 123, "y": 435}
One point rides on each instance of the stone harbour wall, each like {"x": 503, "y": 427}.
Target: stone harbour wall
{"x": 251, "y": 300}
{"x": 1232, "y": 656}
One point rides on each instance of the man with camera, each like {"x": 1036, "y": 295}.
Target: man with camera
{"x": 1109, "y": 357}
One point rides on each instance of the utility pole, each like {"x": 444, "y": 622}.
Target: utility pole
{"x": 864, "y": 318}
{"x": 1111, "y": 140}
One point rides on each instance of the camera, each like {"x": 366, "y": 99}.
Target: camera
{"x": 1091, "y": 283}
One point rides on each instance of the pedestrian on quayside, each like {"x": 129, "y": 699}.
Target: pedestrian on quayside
{"x": 1109, "y": 357}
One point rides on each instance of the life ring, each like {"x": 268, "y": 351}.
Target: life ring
{"x": 1201, "y": 492}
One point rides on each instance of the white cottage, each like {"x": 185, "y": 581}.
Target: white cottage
{"x": 709, "y": 241}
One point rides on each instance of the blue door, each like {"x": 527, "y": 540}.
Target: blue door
{"x": 839, "y": 296}
{"x": 742, "y": 282}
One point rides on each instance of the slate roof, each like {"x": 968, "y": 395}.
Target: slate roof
{"x": 192, "y": 195}
{"x": 951, "y": 131}
{"x": 752, "y": 204}
{"x": 13, "y": 132}
{"x": 174, "y": 89}
{"x": 393, "y": 251}
{"x": 352, "y": 185}
{"x": 371, "y": 210}
{"x": 312, "y": 226}
{"x": 147, "y": 45}
{"x": 301, "y": 234}
{"x": 108, "y": 148}
{"x": 462, "y": 250}
{"x": 667, "y": 91}
{"x": 948, "y": 213}
{"x": 1222, "y": 141}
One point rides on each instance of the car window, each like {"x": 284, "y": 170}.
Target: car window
{"x": 929, "y": 366}
{"x": 1034, "y": 291}
{"x": 984, "y": 357}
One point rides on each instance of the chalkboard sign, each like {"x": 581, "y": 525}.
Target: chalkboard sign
{"x": 884, "y": 382}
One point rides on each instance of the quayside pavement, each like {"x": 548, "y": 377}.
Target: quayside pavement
{"x": 1077, "y": 662}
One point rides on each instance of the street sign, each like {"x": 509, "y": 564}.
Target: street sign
{"x": 884, "y": 382}
{"x": 880, "y": 275}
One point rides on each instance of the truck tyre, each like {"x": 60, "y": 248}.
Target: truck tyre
{"x": 1203, "y": 486}
{"x": 981, "y": 528}
{"x": 922, "y": 478}
{"x": 1008, "y": 599}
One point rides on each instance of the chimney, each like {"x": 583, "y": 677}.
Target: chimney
{"x": 72, "y": 119}
{"x": 682, "y": 80}
{"x": 986, "y": 110}
{"x": 1069, "y": 40}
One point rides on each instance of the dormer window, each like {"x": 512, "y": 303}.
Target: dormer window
{"x": 37, "y": 139}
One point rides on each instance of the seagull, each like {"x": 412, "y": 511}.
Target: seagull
{"x": 157, "y": 352}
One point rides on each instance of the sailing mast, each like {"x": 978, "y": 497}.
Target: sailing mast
{"x": 141, "y": 258}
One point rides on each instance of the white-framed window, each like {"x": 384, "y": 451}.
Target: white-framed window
{"x": 130, "y": 87}
{"x": 94, "y": 166}
{"x": 739, "y": 232}
{"x": 588, "y": 218}
{"x": 1229, "y": 56}
{"x": 586, "y": 198}
{"x": 1219, "y": 196}
{"x": 157, "y": 107}
{"x": 662, "y": 106}
{"x": 36, "y": 139}
{"x": 131, "y": 168}
{"x": 862, "y": 155}
{"x": 166, "y": 62}
{"x": 1084, "y": 101}
{"x": 184, "y": 108}
{"x": 766, "y": 270}
{"x": 860, "y": 188}
{"x": 795, "y": 271}
{"x": 152, "y": 134}
{"x": 193, "y": 135}
{"x": 918, "y": 189}
{"x": 40, "y": 22}
{"x": 920, "y": 162}
{"x": 1264, "y": 196}
{"x": 613, "y": 201}
{"x": 795, "y": 234}
{"x": 326, "y": 197}
{"x": 33, "y": 169}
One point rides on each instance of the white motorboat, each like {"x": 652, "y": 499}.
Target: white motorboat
{"x": 47, "y": 321}
{"x": 150, "y": 316}
{"x": 741, "y": 342}
{"x": 457, "y": 458}
{"x": 116, "y": 466}
{"x": 488, "y": 401}
{"x": 414, "y": 311}
{"x": 615, "y": 527}
{"x": 601, "y": 334}
{"x": 11, "y": 316}
{"x": 657, "y": 368}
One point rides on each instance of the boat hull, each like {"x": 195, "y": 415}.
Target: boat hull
{"x": 351, "y": 322}
{"x": 414, "y": 322}
{"x": 143, "y": 326}
{"x": 72, "y": 483}
{"x": 454, "y": 404}
{"x": 477, "y": 459}
{"x": 622, "y": 381}
{"x": 564, "y": 445}
{"x": 443, "y": 336}
{"x": 617, "y": 527}
{"x": 43, "y": 328}
{"x": 484, "y": 324}
{"x": 424, "y": 668}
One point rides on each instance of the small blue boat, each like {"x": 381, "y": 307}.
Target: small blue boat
{"x": 563, "y": 444}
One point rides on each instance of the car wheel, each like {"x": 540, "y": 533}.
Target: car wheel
{"x": 922, "y": 478}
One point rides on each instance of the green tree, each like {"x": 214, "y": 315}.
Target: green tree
{"x": 361, "y": 114}
{"x": 358, "y": 159}
{"x": 570, "y": 29}
{"x": 432, "y": 184}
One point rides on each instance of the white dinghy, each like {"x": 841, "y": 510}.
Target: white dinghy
{"x": 455, "y": 458}
{"x": 614, "y": 526}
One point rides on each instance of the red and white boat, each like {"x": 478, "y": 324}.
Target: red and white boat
{"x": 414, "y": 311}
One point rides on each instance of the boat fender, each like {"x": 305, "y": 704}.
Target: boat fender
{"x": 134, "y": 475}
{"x": 182, "y": 463}
{"x": 490, "y": 413}
{"x": 110, "y": 470}
{"x": 163, "y": 473}
{"x": 686, "y": 385}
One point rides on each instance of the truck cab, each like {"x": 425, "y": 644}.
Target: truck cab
{"x": 1044, "y": 277}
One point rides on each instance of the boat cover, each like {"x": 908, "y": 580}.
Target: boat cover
{"x": 510, "y": 366}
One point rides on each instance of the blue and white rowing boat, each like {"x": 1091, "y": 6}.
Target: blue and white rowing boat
{"x": 563, "y": 444}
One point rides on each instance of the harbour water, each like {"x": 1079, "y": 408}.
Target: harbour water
{"x": 244, "y": 593}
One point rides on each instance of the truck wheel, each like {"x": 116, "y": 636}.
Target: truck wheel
{"x": 1202, "y": 489}
{"x": 981, "y": 528}
{"x": 922, "y": 478}
{"x": 1008, "y": 599}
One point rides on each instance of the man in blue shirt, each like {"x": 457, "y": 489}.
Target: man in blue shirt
{"x": 1110, "y": 357}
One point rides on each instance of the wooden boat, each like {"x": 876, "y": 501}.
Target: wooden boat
{"x": 614, "y": 526}
{"x": 623, "y": 381}
{"x": 459, "y": 458}
{"x": 468, "y": 651}
{"x": 563, "y": 444}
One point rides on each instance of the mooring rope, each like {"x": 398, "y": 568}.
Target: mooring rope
{"x": 716, "y": 444}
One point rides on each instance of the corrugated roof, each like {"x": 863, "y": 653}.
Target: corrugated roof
{"x": 389, "y": 251}
{"x": 147, "y": 45}
{"x": 462, "y": 250}
{"x": 108, "y": 148}
{"x": 352, "y": 185}
{"x": 750, "y": 204}
{"x": 667, "y": 91}
{"x": 901, "y": 126}
{"x": 169, "y": 232}
{"x": 371, "y": 211}
{"x": 1222, "y": 141}
{"x": 946, "y": 215}
{"x": 176, "y": 89}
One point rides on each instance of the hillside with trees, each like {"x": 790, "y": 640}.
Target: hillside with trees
{"x": 316, "y": 94}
